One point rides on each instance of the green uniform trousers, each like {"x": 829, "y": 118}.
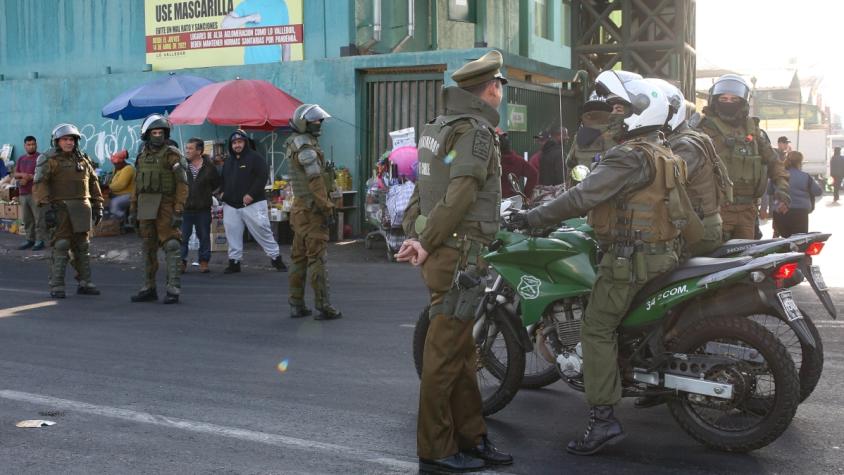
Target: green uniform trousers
{"x": 307, "y": 256}
{"x": 739, "y": 221}
{"x": 450, "y": 410}
{"x": 612, "y": 295}
{"x": 158, "y": 233}
{"x": 69, "y": 242}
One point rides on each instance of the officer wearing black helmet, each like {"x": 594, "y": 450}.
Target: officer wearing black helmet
{"x": 161, "y": 189}
{"x": 66, "y": 182}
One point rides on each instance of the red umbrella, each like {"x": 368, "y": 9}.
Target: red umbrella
{"x": 248, "y": 103}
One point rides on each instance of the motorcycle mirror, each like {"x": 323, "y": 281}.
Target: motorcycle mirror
{"x": 516, "y": 184}
{"x": 580, "y": 172}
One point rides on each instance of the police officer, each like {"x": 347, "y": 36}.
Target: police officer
{"x": 451, "y": 216}
{"x": 708, "y": 180}
{"x": 747, "y": 154}
{"x": 312, "y": 213}
{"x": 66, "y": 182}
{"x": 161, "y": 189}
{"x": 630, "y": 207}
{"x": 593, "y": 137}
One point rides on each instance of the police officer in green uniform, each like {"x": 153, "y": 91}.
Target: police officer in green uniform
{"x": 312, "y": 213}
{"x": 593, "y": 137}
{"x": 708, "y": 180}
{"x": 65, "y": 181}
{"x": 747, "y": 154}
{"x": 157, "y": 203}
{"x": 451, "y": 216}
{"x": 636, "y": 215}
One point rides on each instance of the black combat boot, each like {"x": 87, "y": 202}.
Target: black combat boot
{"x": 171, "y": 298}
{"x": 234, "y": 266}
{"x": 87, "y": 290}
{"x": 489, "y": 454}
{"x": 457, "y": 463}
{"x": 146, "y": 295}
{"x": 299, "y": 311}
{"x": 57, "y": 294}
{"x": 603, "y": 429}
{"x": 327, "y": 312}
{"x": 278, "y": 263}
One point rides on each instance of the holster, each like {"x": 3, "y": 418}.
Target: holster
{"x": 467, "y": 288}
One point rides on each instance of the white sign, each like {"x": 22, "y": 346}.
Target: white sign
{"x": 403, "y": 137}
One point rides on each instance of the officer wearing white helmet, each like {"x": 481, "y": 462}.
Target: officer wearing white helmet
{"x": 627, "y": 201}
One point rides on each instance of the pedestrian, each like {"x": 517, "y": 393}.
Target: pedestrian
{"x": 513, "y": 163}
{"x": 65, "y": 181}
{"x": 4, "y": 171}
{"x": 452, "y": 216}
{"x": 121, "y": 185}
{"x": 836, "y": 170}
{"x": 708, "y": 181}
{"x": 747, "y": 154}
{"x": 203, "y": 179}
{"x": 802, "y": 189}
{"x": 157, "y": 207}
{"x": 31, "y": 214}
{"x": 627, "y": 186}
{"x": 312, "y": 213}
{"x": 244, "y": 202}
{"x": 548, "y": 162}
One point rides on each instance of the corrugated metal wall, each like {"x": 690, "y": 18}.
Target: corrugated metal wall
{"x": 543, "y": 106}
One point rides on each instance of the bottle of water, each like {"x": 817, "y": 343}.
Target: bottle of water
{"x": 193, "y": 243}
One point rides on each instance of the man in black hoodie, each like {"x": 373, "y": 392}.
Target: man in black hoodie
{"x": 203, "y": 179}
{"x": 245, "y": 203}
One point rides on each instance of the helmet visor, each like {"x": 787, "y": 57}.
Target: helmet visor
{"x": 732, "y": 86}
{"x": 62, "y": 130}
{"x": 315, "y": 113}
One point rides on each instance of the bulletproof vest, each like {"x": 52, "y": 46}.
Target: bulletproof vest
{"x": 298, "y": 177}
{"x": 738, "y": 147}
{"x": 71, "y": 172}
{"x": 152, "y": 172}
{"x": 708, "y": 187}
{"x": 437, "y": 156}
{"x": 650, "y": 213}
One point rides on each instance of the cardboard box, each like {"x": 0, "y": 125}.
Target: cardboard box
{"x": 219, "y": 242}
{"x": 12, "y": 211}
{"x": 107, "y": 227}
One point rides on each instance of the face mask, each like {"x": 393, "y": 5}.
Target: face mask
{"x": 728, "y": 110}
{"x": 313, "y": 128}
{"x": 616, "y": 127}
{"x": 586, "y": 135}
{"x": 156, "y": 141}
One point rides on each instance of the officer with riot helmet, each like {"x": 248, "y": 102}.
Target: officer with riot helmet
{"x": 161, "y": 189}
{"x": 637, "y": 217}
{"x": 67, "y": 183}
{"x": 312, "y": 213}
{"x": 452, "y": 215}
{"x": 593, "y": 137}
{"x": 709, "y": 182}
{"x": 746, "y": 151}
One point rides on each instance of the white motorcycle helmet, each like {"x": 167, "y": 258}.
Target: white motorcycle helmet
{"x": 676, "y": 102}
{"x": 648, "y": 104}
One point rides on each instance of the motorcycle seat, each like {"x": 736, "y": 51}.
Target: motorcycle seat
{"x": 736, "y": 245}
{"x": 694, "y": 267}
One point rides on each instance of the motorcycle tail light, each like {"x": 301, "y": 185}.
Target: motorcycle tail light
{"x": 785, "y": 271}
{"x": 814, "y": 249}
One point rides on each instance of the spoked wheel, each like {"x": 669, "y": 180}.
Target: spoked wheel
{"x": 500, "y": 360}
{"x": 807, "y": 360}
{"x": 540, "y": 367}
{"x": 765, "y": 385}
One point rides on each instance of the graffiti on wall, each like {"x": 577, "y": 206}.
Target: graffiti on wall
{"x": 100, "y": 142}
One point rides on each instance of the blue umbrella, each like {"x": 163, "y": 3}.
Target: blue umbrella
{"x": 159, "y": 96}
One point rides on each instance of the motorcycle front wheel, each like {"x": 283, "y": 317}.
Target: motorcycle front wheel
{"x": 766, "y": 388}
{"x": 500, "y": 360}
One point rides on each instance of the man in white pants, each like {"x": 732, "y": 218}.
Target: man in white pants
{"x": 244, "y": 202}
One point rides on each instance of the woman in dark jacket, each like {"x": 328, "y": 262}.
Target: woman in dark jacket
{"x": 203, "y": 179}
{"x": 803, "y": 190}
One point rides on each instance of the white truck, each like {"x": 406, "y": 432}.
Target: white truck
{"x": 815, "y": 145}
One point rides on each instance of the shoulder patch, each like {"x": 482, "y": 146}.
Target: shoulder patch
{"x": 174, "y": 150}
{"x": 482, "y": 144}
{"x": 41, "y": 160}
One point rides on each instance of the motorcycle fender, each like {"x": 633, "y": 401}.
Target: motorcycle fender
{"x": 823, "y": 295}
{"x": 798, "y": 325}
{"x": 514, "y": 324}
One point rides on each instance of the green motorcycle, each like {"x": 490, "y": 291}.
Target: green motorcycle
{"x": 733, "y": 385}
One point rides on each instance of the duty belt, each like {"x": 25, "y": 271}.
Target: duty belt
{"x": 743, "y": 200}
{"x": 642, "y": 247}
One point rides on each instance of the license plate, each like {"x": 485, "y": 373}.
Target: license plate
{"x": 788, "y": 304}
{"x": 818, "y": 277}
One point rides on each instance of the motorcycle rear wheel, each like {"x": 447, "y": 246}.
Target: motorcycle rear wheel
{"x": 708, "y": 419}
{"x": 499, "y": 375}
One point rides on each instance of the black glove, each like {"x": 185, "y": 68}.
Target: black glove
{"x": 97, "y": 214}
{"x": 50, "y": 218}
{"x": 177, "y": 220}
{"x": 519, "y": 220}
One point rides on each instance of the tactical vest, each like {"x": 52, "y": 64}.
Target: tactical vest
{"x": 71, "y": 172}
{"x": 738, "y": 147}
{"x": 152, "y": 172}
{"x": 709, "y": 187}
{"x": 436, "y": 156}
{"x": 298, "y": 177}
{"x": 650, "y": 213}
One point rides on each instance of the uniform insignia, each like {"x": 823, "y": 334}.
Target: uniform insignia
{"x": 481, "y": 145}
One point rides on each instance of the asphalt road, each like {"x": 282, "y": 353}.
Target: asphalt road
{"x": 196, "y": 388}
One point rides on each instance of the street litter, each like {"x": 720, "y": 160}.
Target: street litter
{"x": 31, "y": 423}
